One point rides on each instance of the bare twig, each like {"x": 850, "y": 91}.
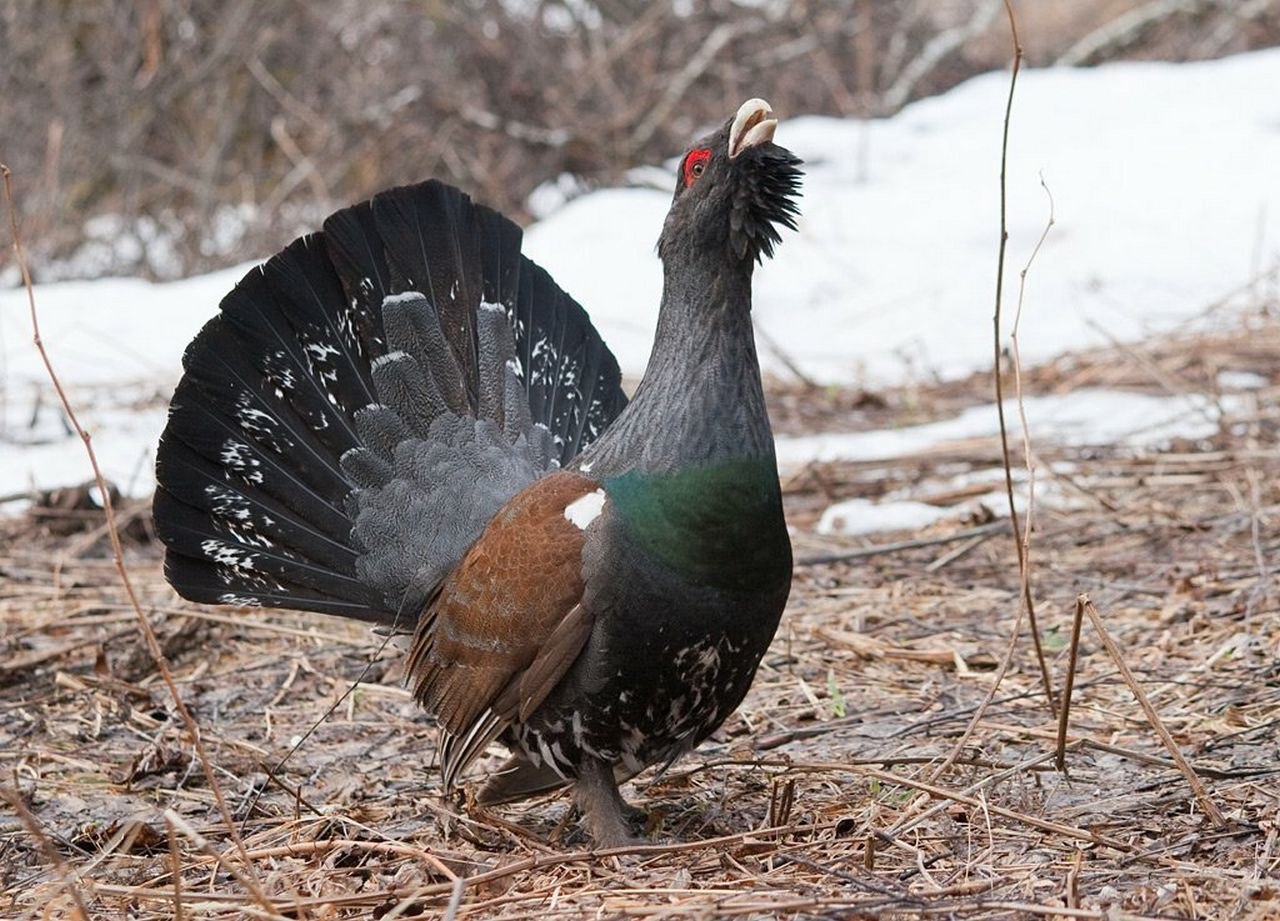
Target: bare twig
{"x": 1230, "y": 26}
{"x": 1197, "y": 786}
{"x": 1024, "y": 548}
{"x": 1026, "y": 607}
{"x": 32, "y": 825}
{"x": 455, "y": 899}
{"x": 698, "y": 64}
{"x": 1023, "y": 574}
{"x": 936, "y": 792}
{"x": 956, "y": 552}
{"x": 153, "y": 645}
{"x": 987, "y": 781}
{"x": 175, "y": 863}
{"x": 937, "y": 50}
{"x": 1125, "y": 29}
{"x": 1064, "y": 707}
{"x": 251, "y": 886}
{"x": 785, "y": 357}
{"x": 840, "y": 556}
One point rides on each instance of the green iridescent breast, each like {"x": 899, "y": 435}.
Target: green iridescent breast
{"x": 720, "y": 526}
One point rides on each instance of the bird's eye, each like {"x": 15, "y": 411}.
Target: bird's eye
{"x": 695, "y": 164}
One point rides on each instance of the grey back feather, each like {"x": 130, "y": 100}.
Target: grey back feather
{"x": 427, "y": 471}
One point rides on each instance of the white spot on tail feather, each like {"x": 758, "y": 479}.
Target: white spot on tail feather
{"x": 242, "y": 601}
{"x": 404, "y": 297}
{"x": 585, "y": 509}
{"x": 388, "y": 358}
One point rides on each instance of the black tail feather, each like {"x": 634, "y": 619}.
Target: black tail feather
{"x": 252, "y": 517}
{"x": 254, "y": 461}
{"x": 432, "y": 247}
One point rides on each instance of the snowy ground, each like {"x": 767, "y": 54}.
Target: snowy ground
{"x": 1166, "y": 187}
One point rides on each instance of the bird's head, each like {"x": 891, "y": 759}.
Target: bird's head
{"x": 733, "y": 189}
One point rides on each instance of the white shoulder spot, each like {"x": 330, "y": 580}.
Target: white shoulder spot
{"x": 585, "y": 509}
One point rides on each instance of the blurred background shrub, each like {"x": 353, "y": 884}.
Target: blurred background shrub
{"x": 166, "y": 137}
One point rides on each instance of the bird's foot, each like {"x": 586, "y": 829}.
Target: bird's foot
{"x": 609, "y": 819}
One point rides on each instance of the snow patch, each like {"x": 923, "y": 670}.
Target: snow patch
{"x": 1084, "y": 417}
{"x": 862, "y": 516}
{"x": 1241, "y": 380}
{"x": 889, "y": 276}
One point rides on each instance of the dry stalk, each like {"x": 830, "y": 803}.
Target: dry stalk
{"x": 1026, "y": 606}
{"x": 32, "y": 826}
{"x": 175, "y": 863}
{"x": 1064, "y": 710}
{"x": 455, "y": 899}
{"x": 1023, "y": 562}
{"x": 178, "y": 823}
{"x": 1113, "y": 650}
{"x": 1028, "y": 456}
{"x": 840, "y": 556}
{"x": 300, "y": 849}
{"x": 541, "y": 861}
{"x": 273, "y": 773}
{"x": 117, "y": 550}
{"x": 989, "y": 780}
{"x": 936, "y": 792}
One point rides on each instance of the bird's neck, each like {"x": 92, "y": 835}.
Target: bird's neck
{"x": 700, "y": 402}
{"x": 689, "y": 465}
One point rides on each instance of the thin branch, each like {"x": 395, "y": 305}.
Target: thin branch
{"x": 14, "y": 797}
{"x": 1064, "y": 709}
{"x": 177, "y": 822}
{"x": 108, "y": 509}
{"x": 1124, "y": 30}
{"x": 1197, "y": 786}
{"x": 699, "y": 63}
{"x": 273, "y": 773}
{"x": 858, "y": 553}
{"x": 1025, "y": 608}
{"x": 179, "y": 913}
{"x": 455, "y": 899}
{"x": 555, "y": 138}
{"x": 1024, "y": 548}
{"x": 1023, "y": 575}
{"x": 937, "y": 50}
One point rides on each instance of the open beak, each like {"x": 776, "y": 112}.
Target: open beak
{"x": 752, "y": 126}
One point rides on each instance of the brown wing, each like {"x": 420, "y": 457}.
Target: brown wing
{"x": 506, "y": 624}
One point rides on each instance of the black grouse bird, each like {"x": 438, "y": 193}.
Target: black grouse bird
{"x": 401, "y": 419}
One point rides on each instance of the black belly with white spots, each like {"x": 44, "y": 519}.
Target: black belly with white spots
{"x": 648, "y": 688}
{"x": 642, "y": 714}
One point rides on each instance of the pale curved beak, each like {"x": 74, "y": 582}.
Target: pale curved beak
{"x": 752, "y": 126}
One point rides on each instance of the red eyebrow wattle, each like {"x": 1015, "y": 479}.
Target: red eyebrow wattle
{"x": 695, "y": 157}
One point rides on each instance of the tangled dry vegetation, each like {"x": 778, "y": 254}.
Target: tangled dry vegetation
{"x": 840, "y": 789}
{"x": 167, "y": 137}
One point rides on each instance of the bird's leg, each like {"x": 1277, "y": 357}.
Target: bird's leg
{"x": 603, "y": 808}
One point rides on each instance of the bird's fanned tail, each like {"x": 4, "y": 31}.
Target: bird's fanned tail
{"x": 365, "y": 401}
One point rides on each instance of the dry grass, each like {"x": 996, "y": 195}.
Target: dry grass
{"x": 816, "y": 800}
